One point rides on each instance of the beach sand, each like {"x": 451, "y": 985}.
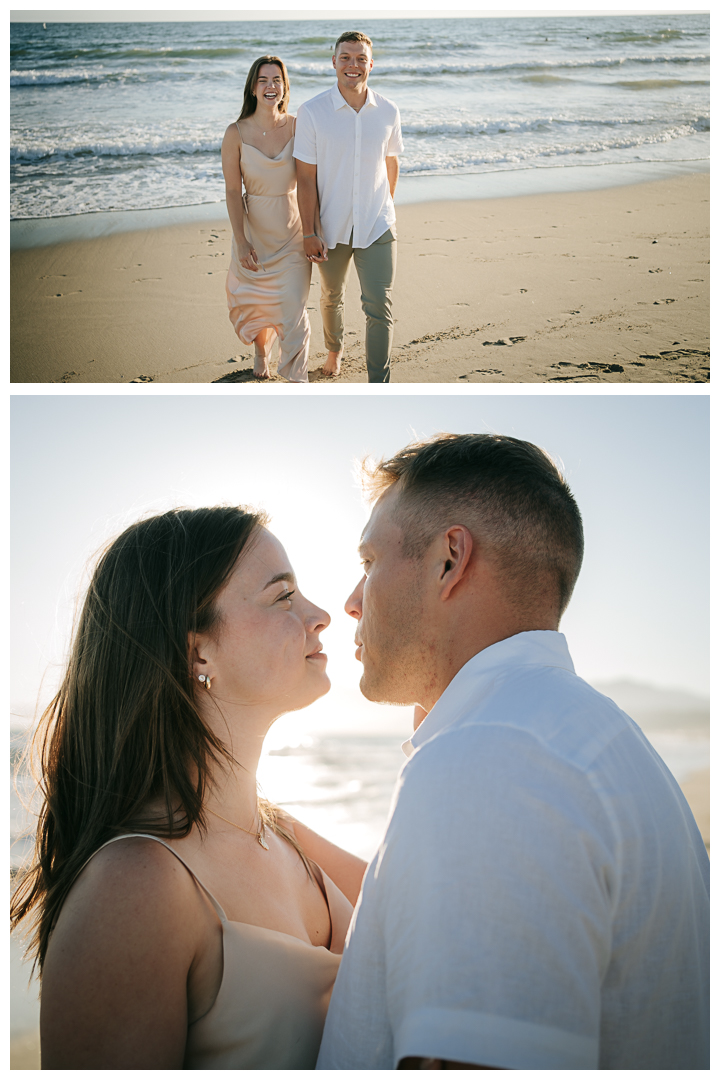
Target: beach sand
{"x": 582, "y": 287}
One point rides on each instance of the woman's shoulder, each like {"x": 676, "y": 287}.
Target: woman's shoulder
{"x": 233, "y": 132}
{"x": 136, "y": 871}
{"x": 127, "y": 940}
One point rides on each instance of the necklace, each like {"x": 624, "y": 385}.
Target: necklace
{"x": 259, "y": 836}
{"x": 277, "y": 126}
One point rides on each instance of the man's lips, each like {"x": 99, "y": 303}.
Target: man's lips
{"x": 317, "y": 654}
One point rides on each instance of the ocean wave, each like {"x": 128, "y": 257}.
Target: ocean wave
{"x": 460, "y": 67}
{"x": 535, "y": 70}
{"x": 522, "y": 155}
{"x": 34, "y": 149}
{"x": 502, "y": 126}
{"x": 30, "y": 147}
{"x": 69, "y": 75}
{"x": 658, "y": 84}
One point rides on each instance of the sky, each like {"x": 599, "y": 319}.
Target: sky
{"x": 401, "y": 9}
{"x": 85, "y": 466}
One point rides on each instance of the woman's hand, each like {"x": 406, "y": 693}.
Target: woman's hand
{"x": 315, "y": 248}
{"x": 248, "y": 258}
{"x": 344, "y": 869}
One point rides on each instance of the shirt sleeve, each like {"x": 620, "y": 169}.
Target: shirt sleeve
{"x": 305, "y": 145}
{"x": 497, "y": 905}
{"x": 395, "y": 143}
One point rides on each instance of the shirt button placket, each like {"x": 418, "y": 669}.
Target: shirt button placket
{"x": 356, "y": 181}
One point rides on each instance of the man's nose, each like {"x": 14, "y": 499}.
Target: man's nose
{"x": 353, "y": 604}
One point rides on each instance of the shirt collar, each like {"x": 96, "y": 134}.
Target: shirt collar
{"x": 543, "y": 648}
{"x": 338, "y": 100}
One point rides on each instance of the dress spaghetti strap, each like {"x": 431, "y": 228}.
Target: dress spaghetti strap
{"x": 149, "y": 836}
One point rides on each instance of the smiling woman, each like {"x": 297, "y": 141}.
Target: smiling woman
{"x": 169, "y": 901}
{"x": 269, "y": 277}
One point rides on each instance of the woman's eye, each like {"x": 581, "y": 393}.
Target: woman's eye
{"x": 286, "y": 596}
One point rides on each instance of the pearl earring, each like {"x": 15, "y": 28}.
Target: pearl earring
{"x": 205, "y": 680}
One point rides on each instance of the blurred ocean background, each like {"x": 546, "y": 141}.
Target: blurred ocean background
{"x": 339, "y": 779}
{"x": 120, "y": 116}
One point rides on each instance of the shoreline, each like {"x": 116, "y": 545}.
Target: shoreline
{"x": 42, "y": 232}
{"x": 598, "y": 286}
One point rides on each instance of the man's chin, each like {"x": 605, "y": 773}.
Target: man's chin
{"x": 381, "y": 694}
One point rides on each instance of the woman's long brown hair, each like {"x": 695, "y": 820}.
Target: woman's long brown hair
{"x": 123, "y": 736}
{"x": 249, "y": 100}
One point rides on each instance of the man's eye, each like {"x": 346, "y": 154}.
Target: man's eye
{"x": 287, "y": 595}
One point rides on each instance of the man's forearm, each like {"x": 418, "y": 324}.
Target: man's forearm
{"x": 307, "y": 201}
{"x": 393, "y": 172}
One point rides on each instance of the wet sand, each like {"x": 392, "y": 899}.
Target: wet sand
{"x": 599, "y": 286}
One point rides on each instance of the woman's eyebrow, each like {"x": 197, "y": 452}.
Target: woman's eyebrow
{"x": 287, "y": 575}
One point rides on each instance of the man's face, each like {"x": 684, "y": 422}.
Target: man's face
{"x": 388, "y": 603}
{"x": 353, "y": 64}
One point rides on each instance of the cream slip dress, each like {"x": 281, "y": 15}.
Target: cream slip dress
{"x": 275, "y": 990}
{"x": 275, "y": 295}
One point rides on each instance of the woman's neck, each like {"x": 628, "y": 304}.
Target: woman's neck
{"x": 233, "y": 791}
{"x": 267, "y": 116}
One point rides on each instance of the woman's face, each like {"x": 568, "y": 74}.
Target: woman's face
{"x": 266, "y": 648}
{"x": 269, "y": 86}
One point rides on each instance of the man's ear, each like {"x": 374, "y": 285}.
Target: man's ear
{"x": 457, "y": 546}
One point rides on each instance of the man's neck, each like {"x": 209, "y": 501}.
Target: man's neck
{"x": 355, "y": 98}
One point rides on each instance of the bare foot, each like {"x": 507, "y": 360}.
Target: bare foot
{"x": 260, "y": 367}
{"x": 332, "y": 364}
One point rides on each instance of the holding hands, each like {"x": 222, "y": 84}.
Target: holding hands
{"x": 315, "y": 248}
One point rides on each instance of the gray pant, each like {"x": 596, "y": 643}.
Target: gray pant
{"x": 375, "y": 267}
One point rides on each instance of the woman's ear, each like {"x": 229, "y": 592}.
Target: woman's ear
{"x": 198, "y": 653}
{"x": 457, "y": 549}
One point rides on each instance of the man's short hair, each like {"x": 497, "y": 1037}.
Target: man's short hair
{"x": 508, "y": 493}
{"x": 352, "y": 35}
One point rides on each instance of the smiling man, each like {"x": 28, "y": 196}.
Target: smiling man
{"x": 540, "y": 897}
{"x": 346, "y": 144}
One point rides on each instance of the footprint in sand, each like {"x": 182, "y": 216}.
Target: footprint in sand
{"x": 137, "y": 280}
{"x": 670, "y": 301}
{"x": 594, "y": 367}
{"x": 61, "y": 294}
{"x": 44, "y": 277}
{"x": 143, "y": 378}
{"x": 505, "y": 341}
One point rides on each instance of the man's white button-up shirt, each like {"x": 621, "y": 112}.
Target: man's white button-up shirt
{"x": 349, "y": 149}
{"x": 540, "y": 897}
